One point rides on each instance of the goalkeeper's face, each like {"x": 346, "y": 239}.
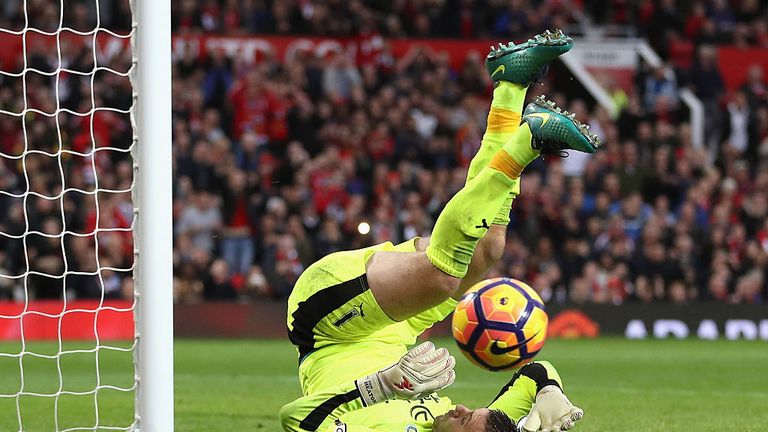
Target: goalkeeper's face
{"x": 461, "y": 419}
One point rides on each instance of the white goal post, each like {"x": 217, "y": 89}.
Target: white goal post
{"x": 154, "y": 272}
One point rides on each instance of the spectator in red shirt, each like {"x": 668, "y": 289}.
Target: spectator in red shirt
{"x": 251, "y": 105}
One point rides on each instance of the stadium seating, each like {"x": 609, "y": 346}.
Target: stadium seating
{"x": 278, "y": 162}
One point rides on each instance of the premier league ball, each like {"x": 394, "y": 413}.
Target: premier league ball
{"x": 500, "y": 324}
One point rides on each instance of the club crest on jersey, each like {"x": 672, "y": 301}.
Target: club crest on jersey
{"x": 357, "y": 310}
{"x": 411, "y": 428}
{"x": 340, "y": 427}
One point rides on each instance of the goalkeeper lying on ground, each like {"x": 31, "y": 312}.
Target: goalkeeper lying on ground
{"x": 353, "y": 313}
{"x": 402, "y": 398}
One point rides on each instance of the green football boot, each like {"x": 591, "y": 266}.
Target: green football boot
{"x": 555, "y": 130}
{"x": 525, "y": 63}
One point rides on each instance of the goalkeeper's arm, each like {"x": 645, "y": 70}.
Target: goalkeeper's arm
{"x": 534, "y": 399}
{"x": 422, "y": 371}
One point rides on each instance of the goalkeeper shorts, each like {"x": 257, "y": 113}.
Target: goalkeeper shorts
{"x": 332, "y": 304}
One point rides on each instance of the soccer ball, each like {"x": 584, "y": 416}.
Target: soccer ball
{"x": 500, "y": 324}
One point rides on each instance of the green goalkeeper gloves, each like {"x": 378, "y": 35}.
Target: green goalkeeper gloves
{"x": 419, "y": 373}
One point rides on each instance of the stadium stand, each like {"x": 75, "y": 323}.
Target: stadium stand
{"x": 277, "y": 163}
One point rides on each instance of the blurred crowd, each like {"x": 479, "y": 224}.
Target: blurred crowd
{"x": 278, "y": 164}
{"x": 284, "y": 162}
{"x": 65, "y": 210}
{"x": 664, "y": 22}
{"x": 741, "y": 22}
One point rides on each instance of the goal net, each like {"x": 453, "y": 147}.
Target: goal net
{"x": 70, "y": 356}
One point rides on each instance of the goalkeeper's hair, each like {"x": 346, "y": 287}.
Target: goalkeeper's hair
{"x": 497, "y": 421}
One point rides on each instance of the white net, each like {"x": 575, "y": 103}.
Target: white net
{"x": 66, "y": 216}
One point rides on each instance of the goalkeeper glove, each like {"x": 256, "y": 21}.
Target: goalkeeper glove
{"x": 552, "y": 412}
{"x": 420, "y": 372}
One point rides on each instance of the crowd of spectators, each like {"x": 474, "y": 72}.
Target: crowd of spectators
{"x": 704, "y": 21}
{"x": 65, "y": 210}
{"x": 739, "y": 22}
{"x": 278, "y": 164}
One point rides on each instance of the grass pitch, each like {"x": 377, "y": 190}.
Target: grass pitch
{"x": 240, "y": 385}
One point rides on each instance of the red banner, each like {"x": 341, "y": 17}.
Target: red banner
{"x": 246, "y": 48}
{"x": 735, "y": 64}
{"x": 363, "y": 49}
{"x": 80, "y": 320}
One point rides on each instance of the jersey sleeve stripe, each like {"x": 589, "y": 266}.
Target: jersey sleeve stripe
{"x": 318, "y": 415}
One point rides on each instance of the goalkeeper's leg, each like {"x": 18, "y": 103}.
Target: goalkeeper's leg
{"x": 503, "y": 120}
{"x": 512, "y": 68}
{"x": 405, "y": 284}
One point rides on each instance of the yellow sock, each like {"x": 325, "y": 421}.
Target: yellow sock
{"x": 466, "y": 219}
{"x": 516, "y": 153}
{"x": 503, "y": 120}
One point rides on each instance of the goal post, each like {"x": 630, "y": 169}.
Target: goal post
{"x": 154, "y": 225}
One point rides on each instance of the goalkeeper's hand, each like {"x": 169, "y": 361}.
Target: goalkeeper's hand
{"x": 552, "y": 412}
{"x": 420, "y": 372}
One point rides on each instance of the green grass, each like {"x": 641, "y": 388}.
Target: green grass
{"x": 240, "y": 385}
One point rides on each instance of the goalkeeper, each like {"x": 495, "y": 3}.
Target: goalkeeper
{"x": 352, "y": 314}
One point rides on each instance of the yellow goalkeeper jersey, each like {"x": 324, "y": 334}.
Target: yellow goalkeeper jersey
{"x": 341, "y": 409}
{"x": 341, "y": 334}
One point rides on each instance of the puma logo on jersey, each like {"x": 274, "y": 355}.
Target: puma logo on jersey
{"x": 484, "y": 225}
{"x": 360, "y": 309}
